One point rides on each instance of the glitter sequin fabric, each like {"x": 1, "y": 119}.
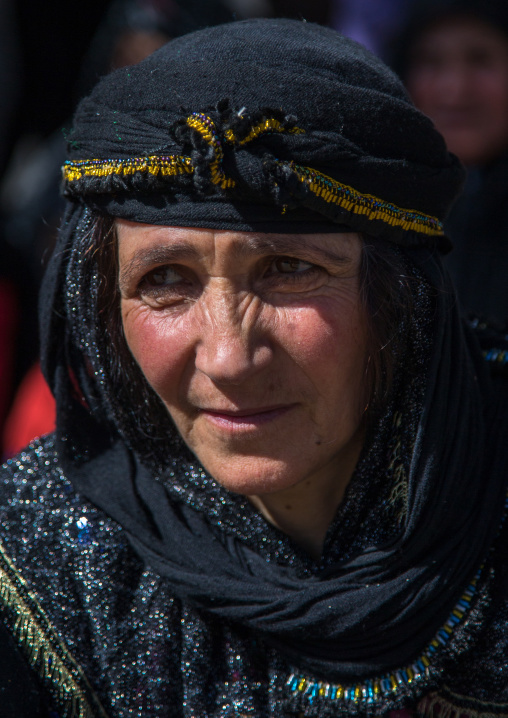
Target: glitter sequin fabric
{"x": 145, "y": 654}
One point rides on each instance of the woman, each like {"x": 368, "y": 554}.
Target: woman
{"x": 278, "y": 479}
{"x": 453, "y": 57}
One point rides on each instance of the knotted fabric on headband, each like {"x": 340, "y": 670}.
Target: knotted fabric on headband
{"x": 270, "y": 126}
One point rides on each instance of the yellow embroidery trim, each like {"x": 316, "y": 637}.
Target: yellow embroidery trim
{"x": 169, "y": 166}
{"x": 42, "y": 646}
{"x": 268, "y": 125}
{"x": 373, "y": 207}
{"x": 322, "y": 186}
{"x": 174, "y": 165}
{"x": 204, "y": 125}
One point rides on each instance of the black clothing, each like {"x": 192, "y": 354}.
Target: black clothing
{"x": 478, "y": 227}
{"x": 145, "y": 653}
{"x": 421, "y": 510}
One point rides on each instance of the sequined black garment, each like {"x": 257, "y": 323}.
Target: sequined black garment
{"x": 141, "y": 653}
{"x": 412, "y": 532}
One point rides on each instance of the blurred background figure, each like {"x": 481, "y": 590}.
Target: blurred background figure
{"x": 453, "y": 57}
{"x": 42, "y": 46}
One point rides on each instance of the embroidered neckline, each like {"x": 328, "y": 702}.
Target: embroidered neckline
{"x": 373, "y": 690}
{"x": 377, "y": 688}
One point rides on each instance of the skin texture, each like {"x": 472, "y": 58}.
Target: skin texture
{"x": 257, "y": 345}
{"x": 458, "y": 76}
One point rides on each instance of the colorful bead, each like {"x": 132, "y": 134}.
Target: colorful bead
{"x": 500, "y": 356}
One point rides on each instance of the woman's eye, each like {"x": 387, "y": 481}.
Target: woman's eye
{"x": 165, "y": 285}
{"x": 162, "y": 277}
{"x": 289, "y": 265}
{"x": 292, "y": 274}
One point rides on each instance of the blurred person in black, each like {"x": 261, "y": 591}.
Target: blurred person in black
{"x": 453, "y": 57}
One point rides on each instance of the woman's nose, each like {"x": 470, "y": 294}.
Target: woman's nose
{"x": 455, "y": 83}
{"x": 232, "y": 345}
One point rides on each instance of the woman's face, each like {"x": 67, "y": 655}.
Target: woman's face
{"x": 458, "y": 76}
{"x": 256, "y": 344}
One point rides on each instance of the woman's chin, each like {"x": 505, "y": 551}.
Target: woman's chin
{"x": 252, "y": 476}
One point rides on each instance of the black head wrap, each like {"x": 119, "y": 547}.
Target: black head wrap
{"x": 260, "y": 124}
{"x": 257, "y": 113}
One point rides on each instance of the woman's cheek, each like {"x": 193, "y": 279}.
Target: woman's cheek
{"x": 329, "y": 331}
{"x": 160, "y": 344}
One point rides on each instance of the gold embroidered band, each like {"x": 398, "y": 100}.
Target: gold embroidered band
{"x": 42, "y": 647}
{"x": 169, "y": 166}
{"x": 373, "y": 207}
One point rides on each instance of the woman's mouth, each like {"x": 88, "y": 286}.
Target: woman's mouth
{"x": 245, "y": 419}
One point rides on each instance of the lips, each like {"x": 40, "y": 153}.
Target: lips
{"x": 245, "y": 418}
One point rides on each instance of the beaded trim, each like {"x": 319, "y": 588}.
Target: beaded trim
{"x": 499, "y": 356}
{"x": 376, "y": 689}
{"x": 263, "y": 127}
{"x": 174, "y": 165}
{"x": 206, "y": 128}
{"x": 44, "y": 650}
{"x": 374, "y": 208}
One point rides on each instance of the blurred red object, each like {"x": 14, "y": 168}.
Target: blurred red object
{"x": 33, "y": 413}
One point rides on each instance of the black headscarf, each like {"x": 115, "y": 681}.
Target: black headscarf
{"x": 262, "y": 123}
{"x": 378, "y": 608}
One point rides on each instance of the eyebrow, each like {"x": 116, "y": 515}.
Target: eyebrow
{"x": 146, "y": 258}
{"x": 256, "y": 244}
